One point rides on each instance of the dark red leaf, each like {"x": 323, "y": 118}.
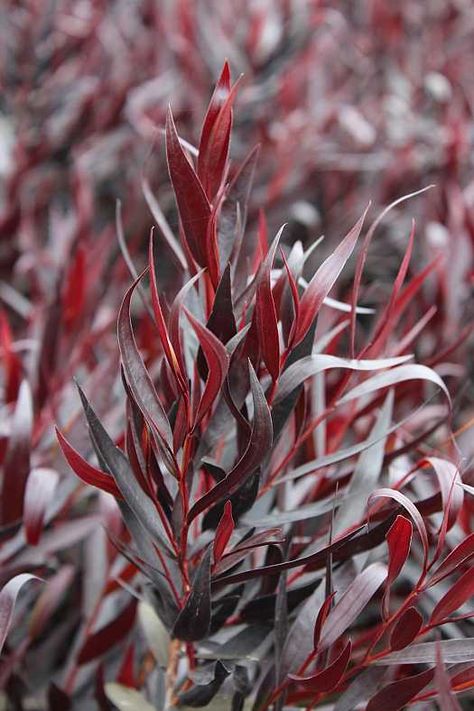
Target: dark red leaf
{"x": 399, "y": 540}
{"x": 406, "y": 629}
{"x": 11, "y": 361}
{"x": 352, "y": 602}
{"x": 170, "y": 353}
{"x": 223, "y": 532}
{"x": 460, "y": 592}
{"x": 258, "y": 447}
{"x": 397, "y": 694}
{"x": 266, "y": 320}
{"x": 323, "y": 281}
{"x": 412, "y": 510}
{"x": 321, "y": 619}
{"x": 138, "y": 377}
{"x": 328, "y": 678}
{"x": 460, "y": 555}
{"x": 108, "y": 636}
{"x": 75, "y": 289}
{"x": 85, "y": 471}
{"x": 217, "y": 361}
{"x": 210, "y": 136}
{"x": 193, "y": 205}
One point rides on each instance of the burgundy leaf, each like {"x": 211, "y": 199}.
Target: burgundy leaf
{"x": 85, "y": 471}
{"x": 258, "y": 446}
{"x": 323, "y": 281}
{"x": 266, "y": 320}
{"x": 399, "y": 540}
{"x": 410, "y": 508}
{"x": 108, "y": 636}
{"x": 193, "y": 205}
{"x": 217, "y": 361}
{"x": 328, "y": 678}
{"x": 460, "y": 592}
{"x": 40, "y": 488}
{"x": 215, "y": 135}
{"x": 352, "y": 602}
{"x": 223, "y": 532}
{"x": 137, "y": 375}
{"x": 460, "y": 555}
{"x": 321, "y": 618}
{"x": 396, "y": 695}
{"x": 406, "y": 629}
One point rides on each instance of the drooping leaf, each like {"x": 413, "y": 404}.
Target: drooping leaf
{"x": 393, "y": 377}
{"x": 455, "y": 651}
{"x": 366, "y": 473}
{"x": 328, "y": 678}
{"x": 202, "y": 694}
{"x": 352, "y": 602}
{"x": 8, "y": 596}
{"x": 310, "y": 366}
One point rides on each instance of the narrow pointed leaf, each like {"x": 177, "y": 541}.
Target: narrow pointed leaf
{"x": 86, "y": 472}
{"x": 193, "y": 205}
{"x": 8, "y": 596}
{"x": 258, "y": 447}
{"x": 324, "y": 279}
{"x": 194, "y": 619}
{"x": 353, "y": 601}
{"x": 329, "y": 678}
{"x": 223, "y": 532}
{"x": 460, "y": 593}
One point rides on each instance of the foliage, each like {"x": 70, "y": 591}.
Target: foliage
{"x": 271, "y": 506}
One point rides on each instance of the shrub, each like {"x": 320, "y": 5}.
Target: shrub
{"x": 281, "y": 519}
